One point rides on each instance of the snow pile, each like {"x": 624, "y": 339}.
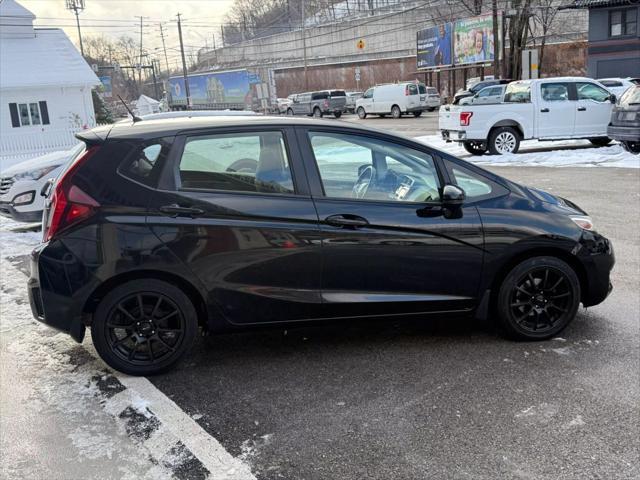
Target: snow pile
{"x": 566, "y": 153}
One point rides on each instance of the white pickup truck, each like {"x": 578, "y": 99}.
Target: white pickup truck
{"x": 546, "y": 109}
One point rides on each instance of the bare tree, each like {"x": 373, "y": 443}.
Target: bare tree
{"x": 543, "y": 17}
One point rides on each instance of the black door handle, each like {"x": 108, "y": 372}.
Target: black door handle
{"x": 347, "y": 221}
{"x": 176, "y": 210}
{"x": 544, "y": 110}
{"x": 582, "y": 109}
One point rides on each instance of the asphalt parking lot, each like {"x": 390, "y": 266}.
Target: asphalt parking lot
{"x": 439, "y": 398}
{"x": 425, "y": 124}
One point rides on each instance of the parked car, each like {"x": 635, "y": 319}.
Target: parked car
{"x": 318, "y": 104}
{"x": 429, "y": 97}
{"x": 618, "y": 86}
{"x": 21, "y": 184}
{"x": 476, "y": 88}
{"x": 351, "y": 101}
{"x": 392, "y": 99}
{"x": 154, "y": 232}
{"x": 486, "y": 96}
{"x": 282, "y": 104}
{"x": 544, "y": 109}
{"x": 625, "y": 120}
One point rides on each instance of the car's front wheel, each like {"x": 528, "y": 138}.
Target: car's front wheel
{"x": 632, "y": 147}
{"x": 143, "y": 327}
{"x": 396, "y": 112}
{"x": 362, "y": 114}
{"x": 538, "y": 298}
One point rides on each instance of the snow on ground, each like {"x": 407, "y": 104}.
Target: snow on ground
{"x": 566, "y": 153}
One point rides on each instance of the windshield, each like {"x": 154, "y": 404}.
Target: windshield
{"x": 517, "y": 93}
{"x": 631, "y": 96}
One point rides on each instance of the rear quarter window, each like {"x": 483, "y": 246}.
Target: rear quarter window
{"x": 143, "y": 164}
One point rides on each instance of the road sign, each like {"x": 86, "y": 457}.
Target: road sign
{"x": 360, "y": 44}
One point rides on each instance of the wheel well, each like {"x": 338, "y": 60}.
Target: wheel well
{"x": 396, "y": 105}
{"x": 509, "y": 123}
{"x": 569, "y": 259}
{"x": 102, "y": 290}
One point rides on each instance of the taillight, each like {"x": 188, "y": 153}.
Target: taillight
{"x": 69, "y": 204}
{"x": 465, "y": 118}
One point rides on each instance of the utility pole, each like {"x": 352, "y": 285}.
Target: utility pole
{"x": 76, "y": 6}
{"x": 164, "y": 47}
{"x": 140, "y": 59}
{"x": 496, "y": 37}
{"x": 184, "y": 65}
{"x": 304, "y": 47}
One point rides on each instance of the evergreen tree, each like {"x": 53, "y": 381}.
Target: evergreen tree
{"x": 103, "y": 113}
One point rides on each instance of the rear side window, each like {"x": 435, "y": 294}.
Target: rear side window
{"x": 412, "y": 89}
{"x": 338, "y": 93}
{"x": 144, "y": 164}
{"x": 243, "y": 162}
{"x": 422, "y": 89}
{"x": 554, "y": 92}
{"x": 319, "y": 96}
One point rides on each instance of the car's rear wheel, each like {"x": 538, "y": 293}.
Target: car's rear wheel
{"x": 362, "y": 114}
{"x": 474, "y": 148}
{"x": 504, "y": 140}
{"x": 337, "y": 114}
{"x": 633, "y": 147}
{"x": 600, "y": 141}
{"x": 538, "y": 298}
{"x": 396, "y": 112}
{"x": 143, "y": 327}
{"x": 431, "y": 109}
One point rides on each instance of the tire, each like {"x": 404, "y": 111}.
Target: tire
{"x": 290, "y": 112}
{"x": 337, "y": 114}
{"x": 417, "y": 114}
{"x": 396, "y": 112}
{"x": 600, "y": 141}
{"x": 474, "y": 148}
{"x": 362, "y": 114}
{"x": 317, "y": 113}
{"x": 431, "y": 109}
{"x": 243, "y": 165}
{"x": 538, "y": 298}
{"x": 631, "y": 147}
{"x": 168, "y": 326}
{"x": 504, "y": 140}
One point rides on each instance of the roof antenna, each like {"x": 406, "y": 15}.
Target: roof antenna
{"x": 133, "y": 116}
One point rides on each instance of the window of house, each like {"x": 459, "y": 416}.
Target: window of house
{"x": 622, "y": 22}
{"x": 25, "y": 114}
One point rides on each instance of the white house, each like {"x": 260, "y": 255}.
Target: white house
{"x": 45, "y": 87}
{"x": 146, "y": 105}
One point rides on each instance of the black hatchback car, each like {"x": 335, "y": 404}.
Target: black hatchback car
{"x": 165, "y": 227}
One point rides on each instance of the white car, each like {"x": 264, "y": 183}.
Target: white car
{"x": 618, "y": 86}
{"x": 282, "y": 104}
{"x": 429, "y": 97}
{"x": 392, "y": 99}
{"x": 545, "y": 109}
{"x": 488, "y": 95}
{"x": 21, "y": 184}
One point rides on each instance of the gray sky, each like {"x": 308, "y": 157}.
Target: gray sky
{"x": 114, "y": 18}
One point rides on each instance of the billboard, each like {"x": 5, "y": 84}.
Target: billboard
{"x": 473, "y": 40}
{"x": 105, "y": 88}
{"x": 225, "y": 89}
{"x": 434, "y": 46}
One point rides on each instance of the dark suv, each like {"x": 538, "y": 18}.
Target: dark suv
{"x": 318, "y": 104}
{"x": 164, "y": 227}
{"x": 625, "y": 120}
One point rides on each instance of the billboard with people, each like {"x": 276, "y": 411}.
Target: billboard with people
{"x": 473, "y": 40}
{"x": 231, "y": 89}
{"x": 434, "y": 46}
{"x": 464, "y": 42}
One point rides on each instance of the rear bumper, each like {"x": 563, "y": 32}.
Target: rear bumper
{"x": 627, "y": 134}
{"x": 453, "y": 135}
{"x": 58, "y": 288}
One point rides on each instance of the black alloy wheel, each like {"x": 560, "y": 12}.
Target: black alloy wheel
{"x": 144, "y": 326}
{"x": 539, "y": 298}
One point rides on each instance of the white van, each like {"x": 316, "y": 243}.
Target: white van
{"x": 392, "y": 99}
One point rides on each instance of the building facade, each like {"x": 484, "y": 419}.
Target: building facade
{"x": 45, "y": 88}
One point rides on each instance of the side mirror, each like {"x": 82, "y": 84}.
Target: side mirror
{"x": 612, "y": 98}
{"x": 452, "y": 196}
{"x": 46, "y": 188}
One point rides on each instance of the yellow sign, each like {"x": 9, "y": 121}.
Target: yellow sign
{"x": 360, "y": 44}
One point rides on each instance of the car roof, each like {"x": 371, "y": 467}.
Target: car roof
{"x": 155, "y": 128}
